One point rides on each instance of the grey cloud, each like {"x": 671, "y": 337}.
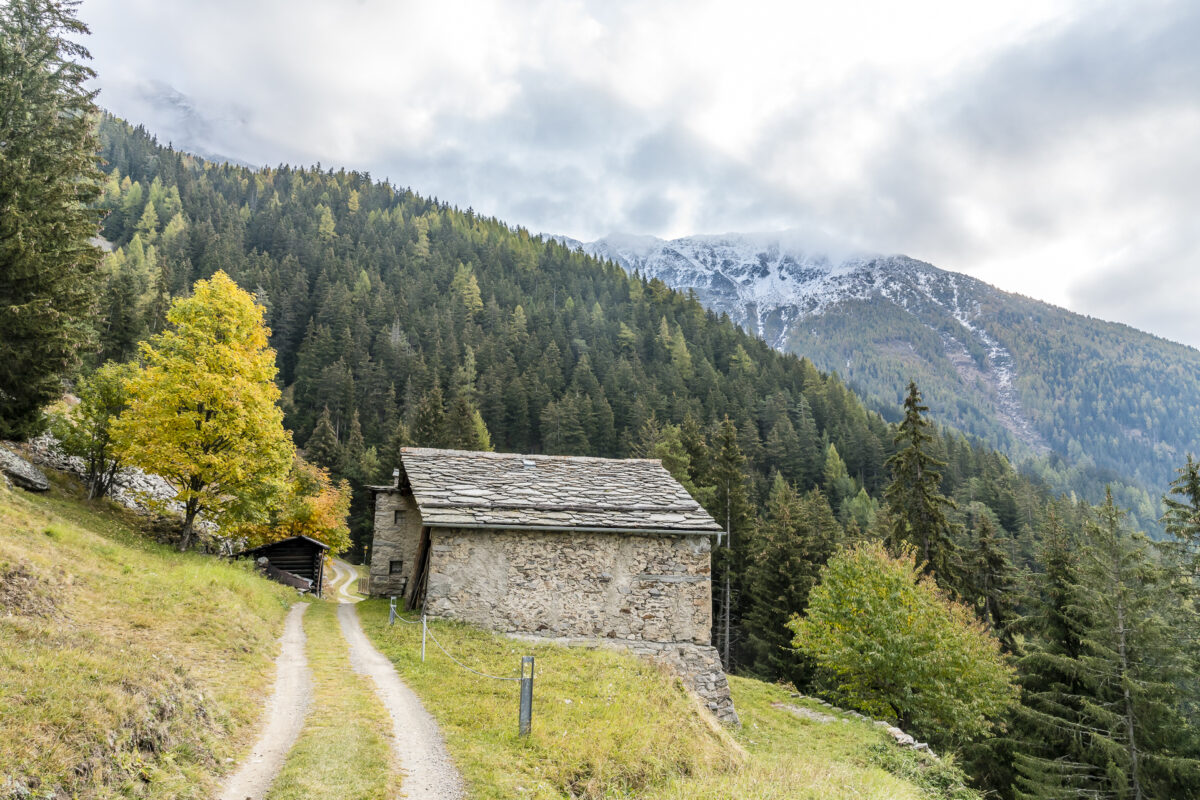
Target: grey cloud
{"x": 568, "y": 156}
{"x": 1120, "y": 60}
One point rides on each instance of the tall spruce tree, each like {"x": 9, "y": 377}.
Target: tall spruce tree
{"x": 48, "y": 179}
{"x": 918, "y": 508}
{"x": 733, "y": 512}
{"x": 989, "y": 580}
{"x": 1107, "y": 689}
{"x": 793, "y": 540}
{"x": 1182, "y": 518}
{"x": 322, "y": 447}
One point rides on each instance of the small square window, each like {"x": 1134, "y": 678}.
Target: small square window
{"x": 395, "y": 567}
{"x": 398, "y": 517}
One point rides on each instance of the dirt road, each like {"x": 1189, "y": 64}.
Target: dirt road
{"x": 286, "y": 711}
{"x": 429, "y": 774}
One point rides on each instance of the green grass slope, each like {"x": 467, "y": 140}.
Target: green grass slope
{"x": 126, "y": 669}
{"x": 607, "y": 725}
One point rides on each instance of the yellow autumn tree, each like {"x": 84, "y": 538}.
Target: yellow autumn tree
{"x": 203, "y": 409}
{"x": 312, "y": 505}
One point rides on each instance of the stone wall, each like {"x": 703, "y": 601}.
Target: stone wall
{"x": 648, "y": 594}
{"x": 394, "y": 542}
{"x": 601, "y": 585}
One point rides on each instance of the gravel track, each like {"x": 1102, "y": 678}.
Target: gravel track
{"x": 429, "y": 774}
{"x": 285, "y": 715}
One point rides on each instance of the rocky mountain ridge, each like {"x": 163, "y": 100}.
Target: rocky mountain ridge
{"x": 1024, "y": 375}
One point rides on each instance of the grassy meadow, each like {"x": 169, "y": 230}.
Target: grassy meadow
{"x": 607, "y": 725}
{"x": 126, "y": 669}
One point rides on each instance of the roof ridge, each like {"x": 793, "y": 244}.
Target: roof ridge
{"x": 503, "y": 506}
{"x": 535, "y": 456}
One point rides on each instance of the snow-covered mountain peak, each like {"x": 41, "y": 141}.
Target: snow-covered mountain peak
{"x": 766, "y": 281}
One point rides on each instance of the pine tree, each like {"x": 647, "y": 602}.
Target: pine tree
{"x": 428, "y": 423}
{"x": 1182, "y": 517}
{"x": 732, "y": 510}
{"x": 918, "y": 508}
{"x": 562, "y": 428}
{"x": 399, "y": 439}
{"x": 792, "y": 541}
{"x": 48, "y": 180}
{"x": 322, "y": 447}
{"x": 837, "y": 483}
{"x": 1106, "y": 686}
{"x": 351, "y": 462}
{"x": 990, "y": 578}
{"x": 465, "y": 426}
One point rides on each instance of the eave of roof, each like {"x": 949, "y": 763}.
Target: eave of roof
{"x": 269, "y": 545}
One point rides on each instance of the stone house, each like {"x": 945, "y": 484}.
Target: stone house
{"x": 579, "y": 550}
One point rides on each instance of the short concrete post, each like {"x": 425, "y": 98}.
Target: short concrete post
{"x": 525, "y": 715}
{"x": 392, "y": 610}
{"x": 424, "y": 630}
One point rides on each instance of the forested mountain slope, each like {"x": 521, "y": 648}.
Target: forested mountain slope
{"x": 390, "y": 309}
{"x": 1024, "y": 375}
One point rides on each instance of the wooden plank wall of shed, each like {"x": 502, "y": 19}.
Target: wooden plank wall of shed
{"x": 298, "y": 558}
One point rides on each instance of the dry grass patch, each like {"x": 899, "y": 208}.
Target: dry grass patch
{"x": 126, "y": 669}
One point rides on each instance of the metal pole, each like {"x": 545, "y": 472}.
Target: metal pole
{"x": 526, "y": 711}
{"x": 424, "y": 630}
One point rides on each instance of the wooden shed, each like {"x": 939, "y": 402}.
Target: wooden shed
{"x": 296, "y": 557}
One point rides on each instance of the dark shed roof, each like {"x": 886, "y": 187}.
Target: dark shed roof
{"x": 263, "y": 548}
{"x": 464, "y": 489}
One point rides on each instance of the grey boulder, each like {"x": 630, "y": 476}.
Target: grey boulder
{"x": 21, "y": 472}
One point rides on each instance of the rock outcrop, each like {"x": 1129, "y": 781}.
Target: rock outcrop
{"x": 21, "y": 472}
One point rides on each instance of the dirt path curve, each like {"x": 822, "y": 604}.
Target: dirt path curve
{"x": 286, "y": 711}
{"x": 429, "y": 774}
{"x": 345, "y": 582}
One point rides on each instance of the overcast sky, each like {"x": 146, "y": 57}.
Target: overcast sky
{"x": 1049, "y": 147}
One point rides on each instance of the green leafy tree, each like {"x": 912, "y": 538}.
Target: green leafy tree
{"x": 311, "y": 505}
{"x": 919, "y": 510}
{"x": 203, "y": 409}
{"x": 86, "y": 430}
{"x": 48, "y": 181}
{"x": 893, "y": 645}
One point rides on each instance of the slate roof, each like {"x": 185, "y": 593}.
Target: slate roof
{"x": 457, "y": 488}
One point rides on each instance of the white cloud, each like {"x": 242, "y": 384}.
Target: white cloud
{"x": 1044, "y": 146}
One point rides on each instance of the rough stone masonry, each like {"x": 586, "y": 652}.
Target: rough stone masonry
{"x": 586, "y": 551}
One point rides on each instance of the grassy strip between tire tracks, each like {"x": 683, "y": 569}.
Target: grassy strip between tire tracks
{"x": 344, "y": 750}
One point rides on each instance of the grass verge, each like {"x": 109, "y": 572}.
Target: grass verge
{"x": 607, "y": 725}
{"x": 344, "y": 750}
{"x": 126, "y": 669}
